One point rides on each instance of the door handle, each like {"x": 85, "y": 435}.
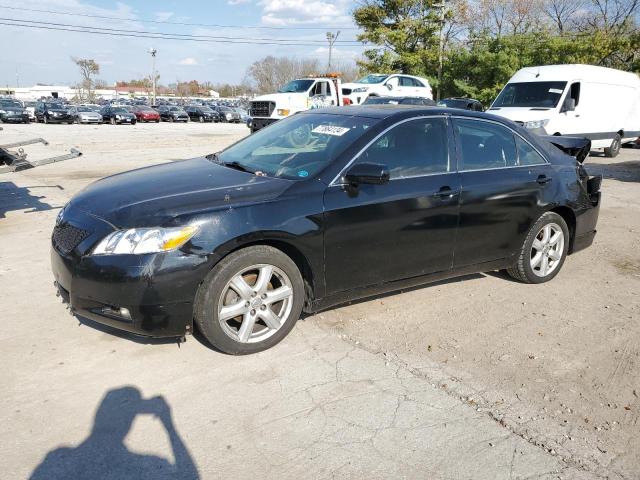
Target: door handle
{"x": 542, "y": 179}
{"x": 446, "y": 192}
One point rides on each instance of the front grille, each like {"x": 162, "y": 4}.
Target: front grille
{"x": 66, "y": 237}
{"x": 261, "y": 109}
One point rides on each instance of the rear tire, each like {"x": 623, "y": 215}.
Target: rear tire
{"x": 614, "y": 149}
{"x": 542, "y": 254}
{"x": 218, "y": 291}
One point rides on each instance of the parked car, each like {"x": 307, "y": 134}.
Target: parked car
{"x": 53, "y": 112}
{"x": 84, "y": 114}
{"x": 463, "y": 103}
{"x": 425, "y": 102}
{"x": 198, "y": 113}
{"x": 384, "y": 85}
{"x": 30, "y": 107}
{"x": 172, "y": 114}
{"x": 227, "y": 114}
{"x": 12, "y": 111}
{"x": 117, "y": 115}
{"x": 323, "y": 207}
{"x": 244, "y": 115}
{"x": 599, "y": 103}
{"x": 145, "y": 114}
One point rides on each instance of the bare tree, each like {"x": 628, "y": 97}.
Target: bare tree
{"x": 88, "y": 70}
{"x": 270, "y": 73}
{"x": 563, "y": 13}
{"x": 613, "y": 16}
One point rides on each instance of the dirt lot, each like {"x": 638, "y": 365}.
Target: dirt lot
{"x": 481, "y": 377}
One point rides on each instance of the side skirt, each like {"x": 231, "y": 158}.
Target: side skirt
{"x": 363, "y": 292}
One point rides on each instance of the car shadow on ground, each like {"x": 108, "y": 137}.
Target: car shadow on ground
{"x": 14, "y": 198}
{"x": 103, "y": 454}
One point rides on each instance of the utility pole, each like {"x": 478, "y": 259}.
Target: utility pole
{"x": 331, "y": 38}
{"x": 153, "y": 52}
{"x": 443, "y": 10}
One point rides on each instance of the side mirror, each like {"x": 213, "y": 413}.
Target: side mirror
{"x": 389, "y": 86}
{"x": 367, "y": 173}
{"x": 569, "y": 105}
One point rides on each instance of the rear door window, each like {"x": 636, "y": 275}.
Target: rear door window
{"x": 527, "y": 155}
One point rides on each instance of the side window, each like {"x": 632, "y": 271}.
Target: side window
{"x": 527, "y": 154}
{"x": 407, "y": 82}
{"x": 320, "y": 88}
{"x": 485, "y": 145}
{"x": 413, "y": 148}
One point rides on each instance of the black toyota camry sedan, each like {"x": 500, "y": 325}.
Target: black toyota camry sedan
{"x": 324, "y": 207}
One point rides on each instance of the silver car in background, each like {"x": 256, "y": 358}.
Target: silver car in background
{"x": 84, "y": 114}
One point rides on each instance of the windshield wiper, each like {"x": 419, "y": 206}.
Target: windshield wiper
{"x": 237, "y": 166}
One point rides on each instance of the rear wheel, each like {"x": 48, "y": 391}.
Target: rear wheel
{"x": 614, "y": 149}
{"x": 544, "y": 250}
{"x": 250, "y": 301}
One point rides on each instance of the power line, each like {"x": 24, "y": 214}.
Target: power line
{"x": 166, "y": 22}
{"x": 161, "y": 35}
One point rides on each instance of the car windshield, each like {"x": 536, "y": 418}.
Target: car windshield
{"x": 373, "y": 79}
{"x": 175, "y": 109}
{"x": 205, "y": 109}
{"x": 84, "y": 109}
{"x": 54, "y": 106}
{"x": 297, "y": 147}
{"x": 530, "y": 94}
{"x": 225, "y": 109}
{"x": 9, "y": 103}
{"x": 453, "y": 103}
{"x": 146, "y": 109}
{"x": 119, "y": 110}
{"x": 296, "y": 86}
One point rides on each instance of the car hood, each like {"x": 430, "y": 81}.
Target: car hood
{"x": 522, "y": 114}
{"x": 357, "y": 85}
{"x": 153, "y": 196}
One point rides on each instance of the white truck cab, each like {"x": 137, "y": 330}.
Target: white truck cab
{"x": 599, "y": 103}
{"x": 296, "y": 96}
{"x": 386, "y": 85}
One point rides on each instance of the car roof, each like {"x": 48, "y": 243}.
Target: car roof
{"x": 383, "y": 111}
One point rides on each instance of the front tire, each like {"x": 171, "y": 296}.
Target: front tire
{"x": 544, "y": 250}
{"x": 614, "y": 149}
{"x": 250, "y": 300}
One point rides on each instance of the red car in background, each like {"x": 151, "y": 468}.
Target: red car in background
{"x": 145, "y": 114}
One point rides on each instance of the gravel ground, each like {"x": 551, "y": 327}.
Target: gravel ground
{"x": 478, "y": 377}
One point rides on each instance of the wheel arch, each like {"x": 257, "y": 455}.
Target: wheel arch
{"x": 569, "y": 217}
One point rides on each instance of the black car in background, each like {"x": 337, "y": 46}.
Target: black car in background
{"x": 227, "y": 114}
{"x": 375, "y": 100}
{"x": 117, "y": 115}
{"x": 173, "y": 113}
{"x": 200, "y": 113}
{"x": 321, "y": 208}
{"x": 53, "y": 112}
{"x": 12, "y": 111}
{"x": 463, "y": 103}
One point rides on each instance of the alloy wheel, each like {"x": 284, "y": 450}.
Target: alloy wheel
{"x": 255, "y": 303}
{"x": 547, "y": 250}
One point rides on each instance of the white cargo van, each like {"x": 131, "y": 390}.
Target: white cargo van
{"x": 599, "y": 103}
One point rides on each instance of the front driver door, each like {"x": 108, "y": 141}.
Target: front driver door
{"x": 401, "y": 229}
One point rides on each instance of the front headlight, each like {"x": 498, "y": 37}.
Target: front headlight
{"x": 118, "y": 117}
{"x": 3, "y": 111}
{"x": 283, "y": 112}
{"x": 534, "y": 124}
{"x": 359, "y": 89}
{"x": 144, "y": 240}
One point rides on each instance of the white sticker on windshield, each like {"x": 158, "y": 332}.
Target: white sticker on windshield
{"x": 330, "y": 130}
{"x": 555, "y": 90}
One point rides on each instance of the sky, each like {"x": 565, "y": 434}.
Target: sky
{"x": 29, "y": 56}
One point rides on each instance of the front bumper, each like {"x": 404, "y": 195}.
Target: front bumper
{"x": 90, "y": 120}
{"x": 158, "y": 290}
{"x": 15, "y": 117}
{"x": 258, "y": 123}
{"x": 59, "y": 118}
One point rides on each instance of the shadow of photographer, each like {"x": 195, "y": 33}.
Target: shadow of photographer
{"x": 103, "y": 455}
